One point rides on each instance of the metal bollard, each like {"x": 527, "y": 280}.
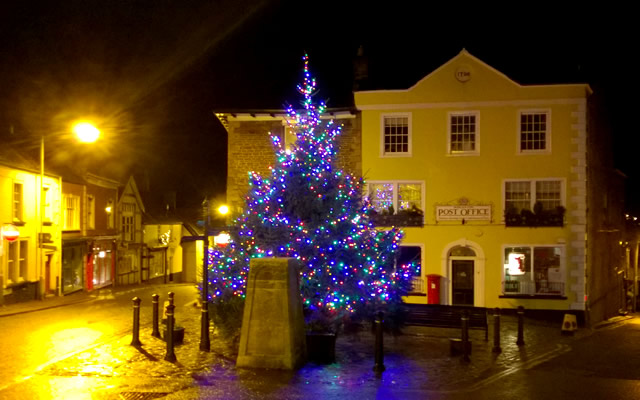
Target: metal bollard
{"x": 170, "y": 356}
{"x": 155, "y": 303}
{"x": 171, "y": 296}
{"x": 465, "y": 335}
{"x": 496, "y": 331}
{"x": 205, "y": 343}
{"x": 379, "y": 350}
{"x": 520, "y": 341}
{"x": 135, "y": 341}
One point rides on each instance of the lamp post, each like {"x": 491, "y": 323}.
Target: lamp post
{"x": 204, "y": 320}
{"x": 204, "y": 317}
{"x": 85, "y": 132}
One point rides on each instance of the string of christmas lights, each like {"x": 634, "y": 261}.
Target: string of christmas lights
{"x": 308, "y": 211}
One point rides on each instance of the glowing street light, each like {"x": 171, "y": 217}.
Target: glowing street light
{"x": 86, "y": 132}
{"x": 204, "y": 320}
{"x": 223, "y": 209}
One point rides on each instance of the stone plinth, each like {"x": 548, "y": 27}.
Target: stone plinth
{"x": 272, "y": 333}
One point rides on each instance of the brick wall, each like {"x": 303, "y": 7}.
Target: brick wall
{"x": 249, "y": 149}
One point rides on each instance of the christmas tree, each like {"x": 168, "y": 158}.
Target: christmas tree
{"x": 308, "y": 211}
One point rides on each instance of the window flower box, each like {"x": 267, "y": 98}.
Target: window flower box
{"x": 539, "y": 218}
{"x": 411, "y": 217}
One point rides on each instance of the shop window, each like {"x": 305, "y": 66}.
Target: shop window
{"x": 72, "y": 268}
{"x": 533, "y": 270}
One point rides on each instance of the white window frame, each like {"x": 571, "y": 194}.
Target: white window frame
{"x": 18, "y": 268}
{"x": 547, "y": 148}
{"x": 128, "y": 221}
{"x": 17, "y": 205}
{"x": 419, "y": 280}
{"x": 383, "y": 117}
{"x": 48, "y": 209}
{"x": 532, "y": 190}
{"x": 395, "y": 184}
{"x": 91, "y": 212}
{"x": 476, "y": 150}
{"x": 70, "y": 223}
{"x": 110, "y": 210}
{"x": 563, "y": 268}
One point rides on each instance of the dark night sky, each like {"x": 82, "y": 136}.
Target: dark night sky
{"x": 152, "y": 71}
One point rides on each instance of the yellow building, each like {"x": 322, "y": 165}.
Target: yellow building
{"x": 506, "y": 193}
{"x": 29, "y": 267}
{"x": 129, "y": 212}
{"x": 509, "y": 182}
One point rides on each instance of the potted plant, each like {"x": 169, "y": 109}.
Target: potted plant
{"x": 178, "y": 332}
{"x": 389, "y": 217}
{"x": 538, "y": 217}
{"x": 322, "y": 328}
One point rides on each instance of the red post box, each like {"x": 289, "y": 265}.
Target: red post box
{"x": 433, "y": 289}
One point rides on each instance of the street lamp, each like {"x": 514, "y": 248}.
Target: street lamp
{"x": 85, "y": 132}
{"x": 204, "y": 318}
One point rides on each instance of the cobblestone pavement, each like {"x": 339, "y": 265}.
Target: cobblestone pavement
{"x": 417, "y": 362}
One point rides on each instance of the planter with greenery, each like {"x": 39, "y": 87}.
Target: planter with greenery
{"x": 535, "y": 218}
{"x": 408, "y": 217}
{"x": 322, "y": 329}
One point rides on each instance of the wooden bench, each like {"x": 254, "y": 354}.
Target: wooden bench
{"x": 442, "y": 316}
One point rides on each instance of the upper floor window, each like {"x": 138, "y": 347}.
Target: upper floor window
{"x": 48, "y": 212}
{"x": 535, "y": 202}
{"x": 534, "y": 132}
{"x": 464, "y": 133}
{"x": 18, "y": 202}
{"x": 127, "y": 228}
{"x": 128, "y": 221}
{"x": 396, "y": 135}
{"x": 71, "y": 212}
{"x": 110, "y": 214}
{"x": 396, "y": 203}
{"x": 91, "y": 212}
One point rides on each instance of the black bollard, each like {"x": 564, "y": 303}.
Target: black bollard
{"x": 520, "y": 341}
{"x": 379, "y": 350}
{"x": 135, "y": 341}
{"x": 155, "y": 302}
{"x": 171, "y": 295}
{"x": 168, "y": 337}
{"x": 465, "y": 335}
{"x": 496, "y": 331}
{"x": 205, "y": 344}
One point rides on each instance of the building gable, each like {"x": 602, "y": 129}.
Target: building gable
{"x": 131, "y": 190}
{"x": 465, "y": 79}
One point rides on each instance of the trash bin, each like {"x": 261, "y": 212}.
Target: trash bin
{"x": 433, "y": 288}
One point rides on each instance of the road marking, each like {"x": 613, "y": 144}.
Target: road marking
{"x": 560, "y": 349}
{"x": 116, "y": 336}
